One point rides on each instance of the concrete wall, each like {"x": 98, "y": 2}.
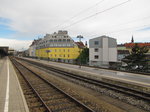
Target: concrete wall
{"x": 113, "y": 54}
{"x": 107, "y": 50}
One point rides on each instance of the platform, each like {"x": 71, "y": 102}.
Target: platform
{"x": 11, "y": 95}
{"x": 129, "y": 78}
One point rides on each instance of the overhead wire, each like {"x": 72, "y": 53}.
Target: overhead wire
{"x": 122, "y": 30}
{"x": 115, "y": 6}
{"x": 76, "y": 15}
{"x": 132, "y": 21}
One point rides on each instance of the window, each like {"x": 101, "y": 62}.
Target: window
{"x": 68, "y": 55}
{"x": 96, "y": 56}
{"x": 64, "y": 55}
{"x": 55, "y": 50}
{"x": 68, "y": 40}
{"x": 96, "y": 49}
{"x": 68, "y": 50}
{"x": 65, "y": 36}
{"x": 96, "y": 42}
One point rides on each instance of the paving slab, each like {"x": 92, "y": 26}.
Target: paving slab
{"x": 11, "y": 95}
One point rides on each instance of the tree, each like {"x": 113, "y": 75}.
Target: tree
{"x": 84, "y": 56}
{"x": 137, "y": 59}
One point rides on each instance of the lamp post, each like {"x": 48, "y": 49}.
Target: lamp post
{"x": 80, "y": 37}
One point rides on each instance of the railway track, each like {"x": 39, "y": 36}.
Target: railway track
{"x": 121, "y": 89}
{"x": 45, "y": 95}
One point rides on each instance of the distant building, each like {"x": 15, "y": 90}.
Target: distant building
{"x": 121, "y": 47}
{"x": 32, "y": 48}
{"x": 132, "y": 40}
{"x": 11, "y": 51}
{"x": 122, "y": 52}
{"x": 26, "y": 53}
{"x": 102, "y": 50}
{"x": 58, "y": 47}
{"x": 129, "y": 47}
{"x": 125, "y": 49}
{"x": 3, "y": 51}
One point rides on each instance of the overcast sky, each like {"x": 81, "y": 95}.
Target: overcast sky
{"x": 21, "y": 21}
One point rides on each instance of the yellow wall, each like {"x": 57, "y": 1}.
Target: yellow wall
{"x": 62, "y": 53}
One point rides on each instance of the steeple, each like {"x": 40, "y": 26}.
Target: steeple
{"x": 132, "y": 40}
{"x": 85, "y": 43}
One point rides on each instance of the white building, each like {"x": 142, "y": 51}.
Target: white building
{"x": 32, "y": 49}
{"x": 102, "y": 50}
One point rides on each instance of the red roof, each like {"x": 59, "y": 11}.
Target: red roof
{"x": 139, "y": 44}
{"x": 80, "y": 44}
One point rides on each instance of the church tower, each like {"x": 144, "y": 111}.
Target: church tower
{"x": 85, "y": 43}
{"x": 132, "y": 40}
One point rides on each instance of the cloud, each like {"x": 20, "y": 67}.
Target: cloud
{"x": 30, "y": 18}
{"x": 144, "y": 29}
{"x": 15, "y": 44}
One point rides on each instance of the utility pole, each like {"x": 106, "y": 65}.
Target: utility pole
{"x": 80, "y": 37}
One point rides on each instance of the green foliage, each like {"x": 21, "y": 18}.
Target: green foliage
{"x": 84, "y": 56}
{"x": 137, "y": 59}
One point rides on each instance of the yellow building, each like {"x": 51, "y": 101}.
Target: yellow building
{"x": 58, "y": 47}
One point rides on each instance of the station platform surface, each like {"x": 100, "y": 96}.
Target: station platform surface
{"x": 137, "y": 79}
{"x": 11, "y": 95}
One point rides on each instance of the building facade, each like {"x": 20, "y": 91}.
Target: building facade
{"x": 32, "y": 48}
{"x": 58, "y": 47}
{"x": 102, "y": 50}
{"x": 122, "y": 52}
{"x": 129, "y": 47}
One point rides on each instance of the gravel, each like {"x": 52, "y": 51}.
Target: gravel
{"x": 125, "y": 98}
